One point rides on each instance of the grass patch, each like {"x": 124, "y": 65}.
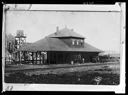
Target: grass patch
{"x": 83, "y": 77}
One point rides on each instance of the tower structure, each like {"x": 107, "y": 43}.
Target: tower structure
{"x": 20, "y": 38}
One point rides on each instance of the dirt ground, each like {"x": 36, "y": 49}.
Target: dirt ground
{"x": 107, "y": 74}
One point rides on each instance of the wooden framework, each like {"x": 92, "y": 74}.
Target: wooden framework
{"x": 54, "y": 57}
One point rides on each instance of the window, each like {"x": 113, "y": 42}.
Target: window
{"x": 77, "y": 42}
{"x": 73, "y": 42}
{"x": 81, "y": 42}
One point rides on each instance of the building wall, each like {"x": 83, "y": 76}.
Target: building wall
{"x": 67, "y": 57}
{"x": 56, "y": 57}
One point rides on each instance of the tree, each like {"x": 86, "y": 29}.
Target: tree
{"x": 10, "y": 43}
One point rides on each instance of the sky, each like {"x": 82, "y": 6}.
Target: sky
{"x": 101, "y": 29}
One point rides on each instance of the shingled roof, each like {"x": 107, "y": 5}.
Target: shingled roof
{"x": 65, "y": 32}
{"x": 55, "y": 44}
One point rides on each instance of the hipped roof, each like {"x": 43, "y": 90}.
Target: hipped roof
{"x": 55, "y": 44}
{"x": 65, "y": 32}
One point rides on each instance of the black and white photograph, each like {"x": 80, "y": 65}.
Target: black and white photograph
{"x": 64, "y": 45}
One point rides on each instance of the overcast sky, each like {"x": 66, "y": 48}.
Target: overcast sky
{"x": 101, "y": 29}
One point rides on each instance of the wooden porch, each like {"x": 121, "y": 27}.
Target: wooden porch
{"x": 53, "y": 57}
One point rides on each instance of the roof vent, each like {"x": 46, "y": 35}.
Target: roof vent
{"x": 57, "y": 29}
{"x": 55, "y": 33}
{"x": 72, "y": 30}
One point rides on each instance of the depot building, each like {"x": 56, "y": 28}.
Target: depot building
{"x": 65, "y": 46}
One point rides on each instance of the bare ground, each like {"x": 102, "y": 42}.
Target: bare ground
{"x": 108, "y": 74}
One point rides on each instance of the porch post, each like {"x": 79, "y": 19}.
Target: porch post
{"x": 40, "y": 56}
{"x": 24, "y": 56}
{"x": 32, "y": 58}
{"x": 36, "y": 57}
{"x": 49, "y": 58}
{"x": 55, "y": 58}
{"x": 19, "y": 57}
{"x": 62, "y": 58}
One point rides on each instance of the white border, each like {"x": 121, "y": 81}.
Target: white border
{"x": 64, "y": 7}
{"x": 52, "y": 87}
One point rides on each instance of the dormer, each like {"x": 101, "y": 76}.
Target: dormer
{"x": 69, "y": 37}
{"x": 77, "y": 42}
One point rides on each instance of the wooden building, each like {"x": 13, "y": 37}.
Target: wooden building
{"x": 62, "y": 47}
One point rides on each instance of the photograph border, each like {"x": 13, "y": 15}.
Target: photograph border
{"x": 53, "y": 87}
